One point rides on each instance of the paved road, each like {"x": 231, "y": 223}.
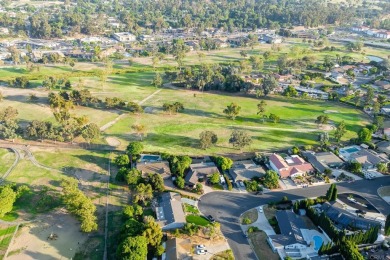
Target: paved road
{"x": 226, "y": 207}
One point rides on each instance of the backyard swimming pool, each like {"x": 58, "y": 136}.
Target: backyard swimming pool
{"x": 317, "y": 242}
{"x": 150, "y": 158}
{"x": 351, "y": 150}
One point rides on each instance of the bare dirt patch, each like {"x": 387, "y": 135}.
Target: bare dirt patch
{"x": 261, "y": 247}
{"x": 33, "y": 242}
{"x": 112, "y": 141}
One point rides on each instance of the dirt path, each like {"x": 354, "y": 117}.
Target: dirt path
{"x": 149, "y": 97}
{"x": 111, "y": 123}
{"x": 17, "y": 157}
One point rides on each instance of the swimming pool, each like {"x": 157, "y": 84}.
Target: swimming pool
{"x": 351, "y": 150}
{"x": 150, "y": 158}
{"x": 317, "y": 242}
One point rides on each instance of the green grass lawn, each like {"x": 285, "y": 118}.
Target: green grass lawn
{"x": 191, "y": 209}
{"x": 7, "y": 158}
{"x": 179, "y": 134}
{"x": 198, "y": 220}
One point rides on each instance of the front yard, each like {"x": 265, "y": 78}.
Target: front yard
{"x": 249, "y": 217}
{"x": 197, "y": 220}
{"x": 261, "y": 247}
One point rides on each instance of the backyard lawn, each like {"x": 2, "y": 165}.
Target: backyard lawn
{"x": 197, "y": 220}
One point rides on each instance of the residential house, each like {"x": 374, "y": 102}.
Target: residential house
{"x": 170, "y": 214}
{"x": 360, "y": 29}
{"x": 221, "y": 43}
{"x": 372, "y": 32}
{"x": 177, "y": 249}
{"x": 124, "y": 37}
{"x": 290, "y": 239}
{"x": 384, "y": 147}
{"x": 146, "y": 38}
{"x": 272, "y": 38}
{"x": 368, "y": 158}
{"x": 160, "y": 168}
{"x": 323, "y": 161}
{"x": 312, "y": 92}
{"x": 344, "y": 219}
{"x": 383, "y": 35}
{"x": 199, "y": 171}
{"x": 245, "y": 170}
{"x": 385, "y": 110}
{"x": 290, "y": 167}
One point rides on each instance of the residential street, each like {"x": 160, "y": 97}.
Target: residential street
{"x": 226, "y": 207}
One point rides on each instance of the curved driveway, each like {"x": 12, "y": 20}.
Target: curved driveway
{"x": 226, "y": 207}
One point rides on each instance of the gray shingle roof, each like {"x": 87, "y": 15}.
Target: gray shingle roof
{"x": 290, "y": 225}
{"x": 170, "y": 209}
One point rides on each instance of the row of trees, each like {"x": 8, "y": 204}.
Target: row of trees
{"x": 79, "y": 204}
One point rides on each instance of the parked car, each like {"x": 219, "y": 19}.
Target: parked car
{"x": 242, "y": 185}
{"x": 261, "y": 210}
{"x": 201, "y": 252}
{"x": 200, "y": 247}
{"x": 211, "y": 218}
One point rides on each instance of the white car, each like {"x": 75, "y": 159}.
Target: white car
{"x": 201, "y": 252}
{"x": 200, "y": 247}
{"x": 261, "y": 210}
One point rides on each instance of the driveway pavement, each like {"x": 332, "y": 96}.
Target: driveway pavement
{"x": 226, "y": 207}
{"x": 261, "y": 223}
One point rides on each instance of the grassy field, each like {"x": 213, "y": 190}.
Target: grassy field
{"x": 179, "y": 133}
{"x": 7, "y": 158}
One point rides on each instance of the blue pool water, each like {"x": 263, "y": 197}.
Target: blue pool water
{"x": 317, "y": 242}
{"x": 352, "y": 150}
{"x": 151, "y": 157}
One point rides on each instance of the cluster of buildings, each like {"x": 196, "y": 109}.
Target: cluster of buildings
{"x": 383, "y": 34}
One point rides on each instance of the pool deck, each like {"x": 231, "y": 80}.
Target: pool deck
{"x": 308, "y": 235}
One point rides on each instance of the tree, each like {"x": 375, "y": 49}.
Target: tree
{"x": 364, "y": 135}
{"x": 382, "y": 167}
{"x": 214, "y": 178}
{"x": 271, "y": 180}
{"x": 266, "y": 55}
{"x": 269, "y": 84}
{"x": 180, "y": 182}
{"x": 90, "y": 132}
{"x": 232, "y": 110}
{"x": 330, "y": 191}
{"x": 240, "y": 139}
{"x": 322, "y": 119}
{"x": 139, "y": 129}
{"x": 274, "y": 118}
{"x": 224, "y": 163}
{"x": 7, "y": 199}
{"x": 8, "y": 123}
{"x": 290, "y": 91}
{"x": 133, "y": 248}
{"x": 257, "y": 62}
{"x": 143, "y": 193}
{"x": 156, "y": 181}
{"x": 387, "y": 225}
{"x": 261, "y": 107}
{"x": 295, "y": 150}
{"x": 132, "y": 176}
{"x": 355, "y": 167}
{"x": 157, "y": 81}
{"x": 122, "y": 160}
{"x": 134, "y": 149}
{"x": 79, "y": 204}
{"x": 152, "y": 232}
{"x": 340, "y": 131}
{"x": 207, "y": 139}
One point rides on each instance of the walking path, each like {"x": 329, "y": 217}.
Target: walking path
{"x": 113, "y": 122}
{"x": 17, "y": 157}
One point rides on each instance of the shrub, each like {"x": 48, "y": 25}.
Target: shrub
{"x": 246, "y": 221}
